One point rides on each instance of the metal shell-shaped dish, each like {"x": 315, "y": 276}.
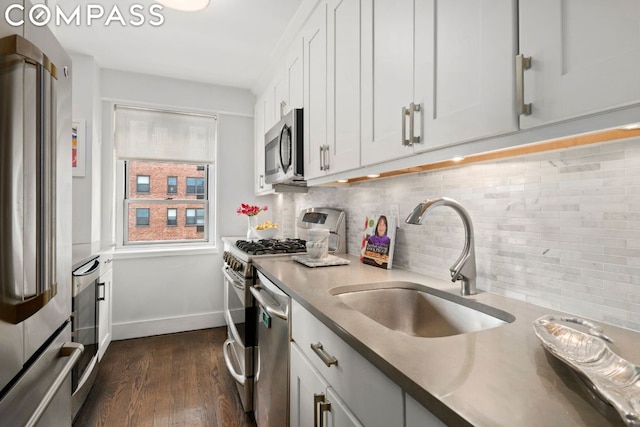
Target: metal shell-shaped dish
{"x": 614, "y": 379}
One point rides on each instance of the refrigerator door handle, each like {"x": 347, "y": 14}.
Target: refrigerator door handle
{"x": 28, "y": 181}
{"x": 73, "y": 351}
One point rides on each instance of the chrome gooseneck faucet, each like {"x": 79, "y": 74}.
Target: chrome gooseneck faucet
{"x": 464, "y": 269}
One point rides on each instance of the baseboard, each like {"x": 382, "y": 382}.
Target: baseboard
{"x": 147, "y": 328}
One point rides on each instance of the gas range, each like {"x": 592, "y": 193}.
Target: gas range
{"x": 272, "y": 246}
{"x": 238, "y": 253}
{"x": 245, "y": 250}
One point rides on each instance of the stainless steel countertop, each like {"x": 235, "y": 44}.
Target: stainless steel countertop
{"x": 497, "y": 377}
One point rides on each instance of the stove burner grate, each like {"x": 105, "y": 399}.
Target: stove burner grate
{"x": 272, "y": 246}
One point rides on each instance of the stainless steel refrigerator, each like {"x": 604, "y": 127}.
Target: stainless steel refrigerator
{"x": 36, "y": 348}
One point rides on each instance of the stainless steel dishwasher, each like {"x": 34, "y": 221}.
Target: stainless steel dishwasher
{"x": 271, "y": 388}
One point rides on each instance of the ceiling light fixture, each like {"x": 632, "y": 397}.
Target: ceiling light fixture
{"x": 185, "y": 5}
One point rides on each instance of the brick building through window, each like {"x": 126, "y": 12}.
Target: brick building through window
{"x": 159, "y": 201}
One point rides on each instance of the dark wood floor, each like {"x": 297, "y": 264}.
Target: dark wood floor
{"x": 168, "y": 380}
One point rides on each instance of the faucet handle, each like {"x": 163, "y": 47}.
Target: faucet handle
{"x": 456, "y": 268}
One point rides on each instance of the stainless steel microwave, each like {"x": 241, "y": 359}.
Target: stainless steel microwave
{"x": 283, "y": 152}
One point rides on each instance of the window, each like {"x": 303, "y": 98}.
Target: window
{"x": 195, "y": 217}
{"x": 142, "y": 216}
{"x": 195, "y": 186}
{"x": 172, "y": 184}
{"x": 153, "y": 145}
{"x": 172, "y": 216}
{"x": 143, "y": 184}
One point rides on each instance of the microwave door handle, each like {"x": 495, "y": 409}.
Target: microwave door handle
{"x": 285, "y": 167}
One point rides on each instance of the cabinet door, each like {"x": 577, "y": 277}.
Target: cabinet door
{"x": 269, "y": 107}
{"x": 339, "y": 415}
{"x": 464, "y": 70}
{"x": 343, "y": 57}
{"x": 417, "y": 415}
{"x": 258, "y": 123}
{"x": 387, "y": 77}
{"x": 314, "y": 36}
{"x": 305, "y": 383}
{"x": 585, "y": 57}
{"x": 294, "y": 75}
{"x": 104, "y": 309}
{"x": 280, "y": 96}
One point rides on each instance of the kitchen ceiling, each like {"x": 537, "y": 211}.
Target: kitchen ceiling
{"x": 229, "y": 43}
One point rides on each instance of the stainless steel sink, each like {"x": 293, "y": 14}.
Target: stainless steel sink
{"x": 418, "y": 310}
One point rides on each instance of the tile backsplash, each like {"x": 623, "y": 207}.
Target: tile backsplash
{"x": 558, "y": 229}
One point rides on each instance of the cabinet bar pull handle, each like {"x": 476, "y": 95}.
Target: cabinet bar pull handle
{"x": 317, "y": 399}
{"x": 328, "y": 359}
{"x": 104, "y": 291}
{"x": 328, "y": 158}
{"x": 412, "y": 112}
{"x": 320, "y": 406}
{"x": 522, "y": 63}
{"x": 322, "y": 157}
{"x": 405, "y": 141}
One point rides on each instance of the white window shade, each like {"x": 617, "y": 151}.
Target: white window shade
{"x": 144, "y": 134}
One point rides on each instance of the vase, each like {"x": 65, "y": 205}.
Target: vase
{"x": 252, "y": 222}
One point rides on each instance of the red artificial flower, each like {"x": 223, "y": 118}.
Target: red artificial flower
{"x": 250, "y": 210}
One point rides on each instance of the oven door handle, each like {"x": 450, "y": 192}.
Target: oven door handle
{"x": 269, "y": 308}
{"x": 240, "y": 379}
{"x": 230, "y": 278}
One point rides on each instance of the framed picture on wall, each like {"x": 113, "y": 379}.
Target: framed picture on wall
{"x": 78, "y": 148}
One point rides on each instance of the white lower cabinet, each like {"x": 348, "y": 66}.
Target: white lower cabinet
{"x": 313, "y": 402}
{"x": 417, "y": 415}
{"x": 105, "y": 292}
{"x": 359, "y": 394}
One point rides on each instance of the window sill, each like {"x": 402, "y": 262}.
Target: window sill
{"x": 164, "y": 251}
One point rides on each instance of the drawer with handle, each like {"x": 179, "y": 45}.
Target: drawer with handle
{"x": 360, "y": 384}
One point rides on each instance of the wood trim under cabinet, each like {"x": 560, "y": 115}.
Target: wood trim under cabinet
{"x": 538, "y": 147}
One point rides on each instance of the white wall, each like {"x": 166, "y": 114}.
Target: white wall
{"x": 559, "y": 229}
{"x": 155, "y": 294}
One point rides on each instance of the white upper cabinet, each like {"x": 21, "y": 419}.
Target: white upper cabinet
{"x": 464, "y": 70}
{"x": 387, "y": 77}
{"x": 314, "y": 36}
{"x": 585, "y": 57}
{"x": 452, "y": 60}
{"x": 260, "y": 186}
{"x": 294, "y": 76}
{"x": 280, "y": 97}
{"x": 269, "y": 99}
{"x": 343, "y": 83}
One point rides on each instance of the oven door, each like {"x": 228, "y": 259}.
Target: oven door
{"x": 84, "y": 330}
{"x": 238, "y": 348}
